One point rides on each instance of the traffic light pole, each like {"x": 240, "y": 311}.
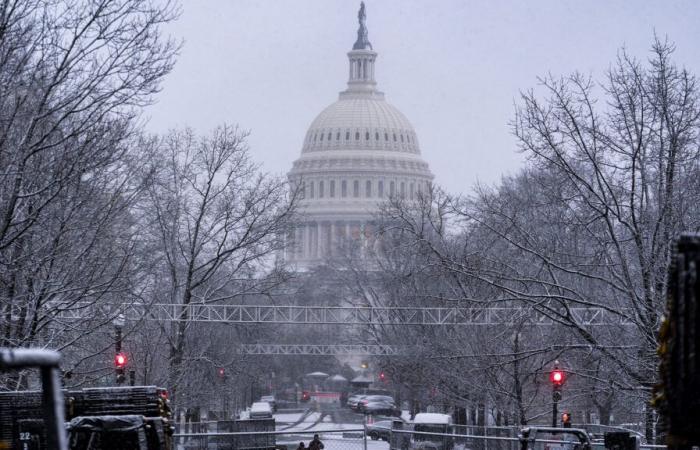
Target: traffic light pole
{"x": 556, "y": 377}
{"x": 118, "y": 350}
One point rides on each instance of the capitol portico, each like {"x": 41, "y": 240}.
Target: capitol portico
{"x": 358, "y": 152}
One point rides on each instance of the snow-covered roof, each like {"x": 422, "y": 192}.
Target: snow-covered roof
{"x": 317, "y": 374}
{"x": 433, "y": 418}
{"x": 338, "y": 378}
{"x": 362, "y": 379}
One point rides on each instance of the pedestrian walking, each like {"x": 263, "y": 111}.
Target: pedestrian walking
{"x": 301, "y": 446}
{"x": 316, "y": 443}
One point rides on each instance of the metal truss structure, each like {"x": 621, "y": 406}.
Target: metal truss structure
{"x": 331, "y": 315}
{"x": 321, "y": 349}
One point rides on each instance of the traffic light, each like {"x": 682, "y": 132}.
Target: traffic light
{"x": 566, "y": 420}
{"x": 120, "y": 361}
{"x": 382, "y": 376}
{"x": 557, "y": 377}
{"x": 221, "y": 373}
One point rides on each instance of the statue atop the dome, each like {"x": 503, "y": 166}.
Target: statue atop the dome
{"x": 362, "y": 42}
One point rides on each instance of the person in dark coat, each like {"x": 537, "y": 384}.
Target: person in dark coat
{"x": 301, "y": 446}
{"x": 316, "y": 443}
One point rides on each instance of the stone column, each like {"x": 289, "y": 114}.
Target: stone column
{"x": 333, "y": 240}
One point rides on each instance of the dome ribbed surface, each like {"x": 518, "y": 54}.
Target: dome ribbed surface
{"x": 361, "y": 113}
{"x": 364, "y": 122}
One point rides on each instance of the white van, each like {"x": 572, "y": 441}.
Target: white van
{"x": 432, "y": 423}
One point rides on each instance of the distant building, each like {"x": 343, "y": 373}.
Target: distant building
{"x": 357, "y": 152}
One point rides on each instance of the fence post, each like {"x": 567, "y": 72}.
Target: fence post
{"x": 364, "y": 434}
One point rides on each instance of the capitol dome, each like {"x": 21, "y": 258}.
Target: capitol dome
{"x": 357, "y": 153}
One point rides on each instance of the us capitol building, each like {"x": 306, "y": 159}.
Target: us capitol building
{"x": 357, "y": 153}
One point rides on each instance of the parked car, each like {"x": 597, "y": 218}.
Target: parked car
{"x": 260, "y": 410}
{"x": 379, "y": 430}
{"x": 354, "y": 399}
{"x": 373, "y": 399}
{"x": 378, "y": 404}
{"x": 271, "y": 400}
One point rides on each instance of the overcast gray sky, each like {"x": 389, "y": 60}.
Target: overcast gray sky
{"x": 454, "y": 68}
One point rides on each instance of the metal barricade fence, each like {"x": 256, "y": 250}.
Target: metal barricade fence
{"x": 463, "y": 438}
{"x": 466, "y": 438}
{"x": 333, "y": 439}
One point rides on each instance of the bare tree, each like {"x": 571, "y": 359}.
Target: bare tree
{"x": 590, "y": 223}
{"x": 72, "y": 76}
{"x": 218, "y": 224}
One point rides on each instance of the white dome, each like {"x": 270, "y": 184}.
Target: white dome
{"x": 358, "y": 152}
{"x": 361, "y": 122}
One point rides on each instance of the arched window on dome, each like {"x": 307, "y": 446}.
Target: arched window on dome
{"x": 320, "y": 189}
{"x": 386, "y": 137}
{"x": 357, "y": 135}
{"x": 321, "y": 137}
{"x": 332, "y": 189}
{"x": 337, "y": 136}
{"x": 394, "y": 137}
{"x": 411, "y": 188}
{"x": 367, "y": 135}
{"x": 408, "y": 137}
{"x": 347, "y": 135}
{"x": 368, "y": 189}
{"x": 392, "y": 189}
{"x": 402, "y": 138}
{"x": 356, "y": 188}
{"x": 376, "y": 136}
{"x": 315, "y": 136}
{"x": 343, "y": 188}
{"x": 329, "y": 136}
{"x": 380, "y": 188}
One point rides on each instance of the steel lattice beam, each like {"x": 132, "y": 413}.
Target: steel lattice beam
{"x": 320, "y": 349}
{"x": 331, "y": 315}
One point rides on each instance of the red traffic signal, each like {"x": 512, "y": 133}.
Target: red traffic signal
{"x": 382, "y": 376}
{"x": 120, "y": 360}
{"x": 566, "y": 420}
{"x": 556, "y": 376}
{"x": 222, "y": 372}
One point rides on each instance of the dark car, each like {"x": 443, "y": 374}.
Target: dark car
{"x": 378, "y": 405}
{"x": 379, "y": 430}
